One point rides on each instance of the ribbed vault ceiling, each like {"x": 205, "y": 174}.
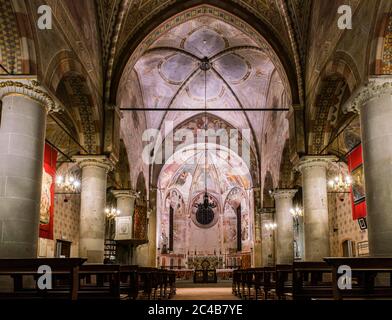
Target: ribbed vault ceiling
{"x": 238, "y": 74}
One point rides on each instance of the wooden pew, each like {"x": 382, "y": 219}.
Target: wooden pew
{"x": 65, "y": 280}
{"x": 269, "y": 281}
{"x": 172, "y": 283}
{"x": 312, "y": 280}
{"x": 129, "y": 284}
{"x": 243, "y": 277}
{"x": 258, "y": 283}
{"x": 146, "y": 280}
{"x": 236, "y": 282}
{"x": 253, "y": 283}
{"x": 371, "y": 277}
{"x": 284, "y": 281}
{"x": 248, "y": 283}
{"x": 99, "y": 281}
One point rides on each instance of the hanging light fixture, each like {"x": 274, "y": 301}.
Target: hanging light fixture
{"x": 270, "y": 226}
{"x": 68, "y": 183}
{"x": 296, "y": 212}
{"x": 341, "y": 183}
{"x": 112, "y": 213}
{"x": 205, "y": 212}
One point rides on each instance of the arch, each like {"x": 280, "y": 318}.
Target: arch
{"x": 16, "y": 44}
{"x": 380, "y": 61}
{"x": 155, "y": 169}
{"x": 67, "y": 78}
{"x": 234, "y": 202}
{"x": 338, "y": 80}
{"x": 235, "y": 10}
{"x": 343, "y": 64}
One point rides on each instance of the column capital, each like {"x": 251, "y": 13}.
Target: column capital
{"x": 374, "y": 88}
{"x": 126, "y": 193}
{"x": 284, "y": 193}
{"x": 94, "y": 161}
{"x": 315, "y": 161}
{"x": 29, "y": 87}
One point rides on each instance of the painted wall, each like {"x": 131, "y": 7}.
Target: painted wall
{"x": 66, "y": 226}
{"x": 342, "y": 226}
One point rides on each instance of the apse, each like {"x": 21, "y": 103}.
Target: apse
{"x": 183, "y": 182}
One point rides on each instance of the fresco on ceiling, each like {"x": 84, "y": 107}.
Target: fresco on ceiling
{"x": 182, "y": 186}
{"x": 239, "y": 77}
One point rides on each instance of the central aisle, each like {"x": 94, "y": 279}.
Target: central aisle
{"x": 205, "y": 293}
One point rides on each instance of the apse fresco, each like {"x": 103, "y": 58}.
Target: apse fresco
{"x": 182, "y": 186}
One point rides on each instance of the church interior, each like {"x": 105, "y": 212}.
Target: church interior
{"x": 196, "y": 149}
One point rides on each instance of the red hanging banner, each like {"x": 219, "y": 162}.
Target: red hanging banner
{"x": 355, "y": 166}
{"x": 47, "y": 193}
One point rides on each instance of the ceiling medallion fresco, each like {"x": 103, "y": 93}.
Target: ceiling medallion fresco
{"x": 205, "y": 51}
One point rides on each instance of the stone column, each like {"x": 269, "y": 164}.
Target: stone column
{"x": 284, "y": 220}
{"x": 257, "y": 242}
{"x": 267, "y": 241}
{"x": 92, "y": 206}
{"x": 22, "y": 139}
{"x": 374, "y": 104}
{"x": 152, "y": 228}
{"x": 315, "y": 205}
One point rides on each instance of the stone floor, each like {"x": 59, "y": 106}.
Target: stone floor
{"x": 205, "y": 293}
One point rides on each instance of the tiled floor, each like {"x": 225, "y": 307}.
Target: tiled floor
{"x": 205, "y": 293}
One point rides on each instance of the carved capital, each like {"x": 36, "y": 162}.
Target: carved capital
{"x": 376, "y": 87}
{"x": 127, "y": 193}
{"x": 28, "y": 87}
{"x": 284, "y": 193}
{"x": 94, "y": 161}
{"x": 315, "y": 161}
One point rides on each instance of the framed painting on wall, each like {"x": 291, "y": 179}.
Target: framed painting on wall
{"x": 47, "y": 193}
{"x": 358, "y": 184}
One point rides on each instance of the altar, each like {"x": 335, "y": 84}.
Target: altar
{"x": 207, "y": 273}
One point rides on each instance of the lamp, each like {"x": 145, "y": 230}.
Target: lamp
{"x": 205, "y": 213}
{"x": 68, "y": 183}
{"x": 270, "y": 226}
{"x": 112, "y": 213}
{"x": 296, "y": 212}
{"x": 341, "y": 183}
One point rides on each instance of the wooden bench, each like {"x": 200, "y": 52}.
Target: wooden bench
{"x": 236, "y": 282}
{"x": 269, "y": 281}
{"x": 65, "y": 277}
{"x": 172, "y": 283}
{"x": 129, "y": 284}
{"x": 253, "y": 283}
{"x": 147, "y": 283}
{"x": 371, "y": 277}
{"x": 284, "y": 281}
{"x": 312, "y": 280}
{"x": 99, "y": 281}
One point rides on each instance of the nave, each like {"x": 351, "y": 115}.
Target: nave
{"x": 195, "y": 149}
